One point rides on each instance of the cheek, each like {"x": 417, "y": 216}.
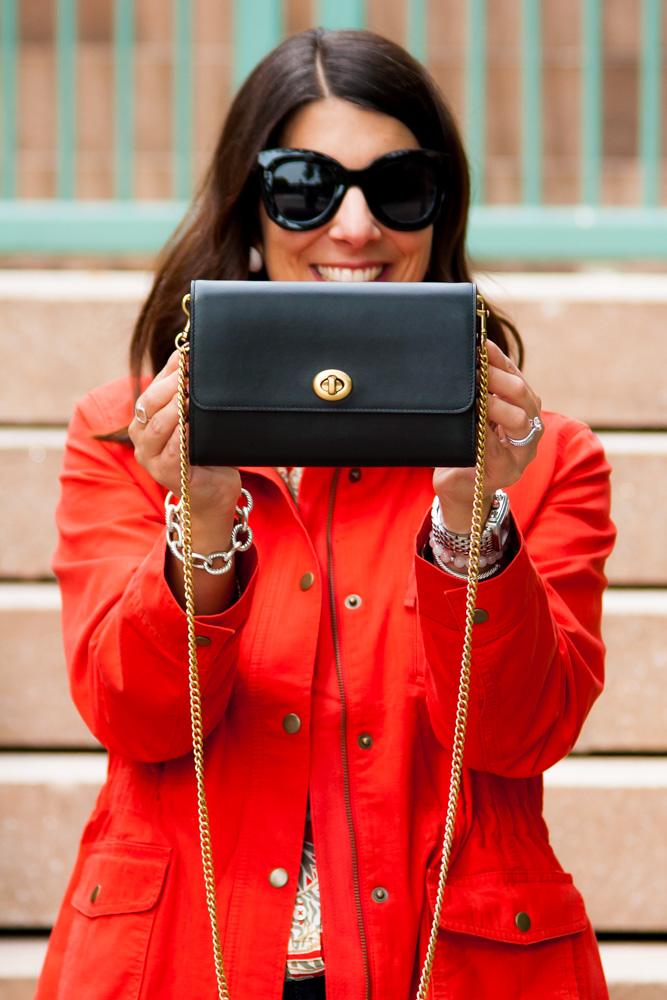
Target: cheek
{"x": 282, "y": 250}
{"x": 416, "y": 248}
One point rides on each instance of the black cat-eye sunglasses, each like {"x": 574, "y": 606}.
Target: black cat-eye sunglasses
{"x": 302, "y": 189}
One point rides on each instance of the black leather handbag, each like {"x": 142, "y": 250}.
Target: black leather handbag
{"x": 314, "y": 373}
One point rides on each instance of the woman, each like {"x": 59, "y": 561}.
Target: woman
{"x": 329, "y": 656}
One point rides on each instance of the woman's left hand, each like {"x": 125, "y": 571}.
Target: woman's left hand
{"x": 512, "y": 404}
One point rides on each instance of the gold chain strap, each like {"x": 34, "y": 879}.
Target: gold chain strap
{"x": 464, "y": 679}
{"x": 183, "y": 346}
{"x": 193, "y": 670}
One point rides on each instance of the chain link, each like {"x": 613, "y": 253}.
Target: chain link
{"x": 464, "y": 680}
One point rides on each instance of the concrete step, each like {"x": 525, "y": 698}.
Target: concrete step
{"x": 63, "y": 333}
{"x": 577, "y": 329}
{"x": 631, "y": 716}
{"x": 633, "y": 971}
{"x": 45, "y": 801}
{"x": 37, "y": 710}
{"x": 607, "y": 818}
{"x": 639, "y": 467}
{"x": 21, "y": 960}
{"x": 30, "y": 460}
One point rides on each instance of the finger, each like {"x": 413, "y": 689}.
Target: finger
{"x": 513, "y": 389}
{"x": 501, "y": 360}
{"x": 158, "y": 432}
{"x": 512, "y": 420}
{"x": 505, "y": 377}
{"x": 172, "y": 365}
{"x": 157, "y": 395}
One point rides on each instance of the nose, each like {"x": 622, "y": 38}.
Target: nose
{"x": 353, "y": 223}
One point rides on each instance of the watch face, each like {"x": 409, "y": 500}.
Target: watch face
{"x": 499, "y": 521}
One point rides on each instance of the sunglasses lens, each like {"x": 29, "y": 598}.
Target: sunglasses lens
{"x": 405, "y": 190}
{"x": 302, "y": 191}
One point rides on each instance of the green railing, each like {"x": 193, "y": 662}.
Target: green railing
{"x": 528, "y": 230}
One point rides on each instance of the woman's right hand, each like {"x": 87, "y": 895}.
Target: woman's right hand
{"x": 214, "y": 491}
{"x": 157, "y": 448}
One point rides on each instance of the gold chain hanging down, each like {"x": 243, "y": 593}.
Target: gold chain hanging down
{"x": 183, "y": 346}
{"x": 464, "y": 680}
{"x": 182, "y": 343}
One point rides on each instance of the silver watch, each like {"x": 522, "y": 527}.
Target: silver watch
{"x": 494, "y": 534}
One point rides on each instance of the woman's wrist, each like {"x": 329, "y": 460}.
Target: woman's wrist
{"x": 456, "y": 515}
{"x": 451, "y": 549}
{"x": 215, "y": 587}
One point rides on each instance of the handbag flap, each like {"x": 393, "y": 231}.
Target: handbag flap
{"x": 407, "y": 347}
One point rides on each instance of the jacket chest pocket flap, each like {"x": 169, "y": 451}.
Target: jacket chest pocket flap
{"x": 513, "y": 934}
{"x": 116, "y": 901}
{"x": 121, "y": 878}
{"x": 514, "y": 907}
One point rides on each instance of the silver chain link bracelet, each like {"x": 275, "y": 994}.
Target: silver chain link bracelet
{"x": 241, "y": 536}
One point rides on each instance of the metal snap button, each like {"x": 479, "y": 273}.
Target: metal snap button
{"x": 292, "y": 723}
{"x": 306, "y": 581}
{"x": 479, "y": 616}
{"x": 365, "y": 741}
{"x": 380, "y": 895}
{"x": 202, "y": 640}
{"x": 354, "y": 475}
{"x": 522, "y": 920}
{"x": 278, "y": 878}
{"x": 352, "y": 601}
{"x": 95, "y": 893}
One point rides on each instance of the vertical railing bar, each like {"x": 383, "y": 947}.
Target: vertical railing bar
{"x": 258, "y": 27}
{"x": 124, "y": 89}
{"x": 649, "y": 101}
{"x": 336, "y": 14}
{"x": 8, "y": 43}
{"x": 65, "y": 97}
{"x": 476, "y": 97}
{"x": 417, "y": 18}
{"x": 591, "y": 110}
{"x": 531, "y": 101}
{"x": 182, "y": 100}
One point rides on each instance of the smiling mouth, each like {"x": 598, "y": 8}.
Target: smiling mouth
{"x": 349, "y": 273}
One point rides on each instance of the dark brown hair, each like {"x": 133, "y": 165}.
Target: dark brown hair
{"x": 213, "y": 240}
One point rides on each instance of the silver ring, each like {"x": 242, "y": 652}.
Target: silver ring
{"x": 535, "y": 426}
{"x": 140, "y": 414}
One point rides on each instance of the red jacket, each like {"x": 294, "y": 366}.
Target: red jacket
{"x": 377, "y": 805}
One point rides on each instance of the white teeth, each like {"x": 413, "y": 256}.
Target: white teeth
{"x": 349, "y": 273}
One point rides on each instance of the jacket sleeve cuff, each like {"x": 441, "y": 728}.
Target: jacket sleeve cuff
{"x": 504, "y": 597}
{"x": 152, "y": 591}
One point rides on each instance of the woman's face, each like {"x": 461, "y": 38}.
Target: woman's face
{"x": 353, "y": 246}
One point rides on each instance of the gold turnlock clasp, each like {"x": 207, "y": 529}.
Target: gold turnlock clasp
{"x": 332, "y": 384}
{"x": 483, "y": 313}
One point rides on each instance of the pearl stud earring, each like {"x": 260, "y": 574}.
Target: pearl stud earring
{"x": 255, "y": 262}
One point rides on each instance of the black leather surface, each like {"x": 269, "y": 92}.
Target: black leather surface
{"x": 256, "y": 346}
